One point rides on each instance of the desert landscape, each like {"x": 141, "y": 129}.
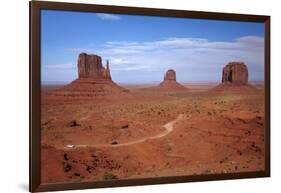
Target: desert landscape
{"x": 94, "y": 129}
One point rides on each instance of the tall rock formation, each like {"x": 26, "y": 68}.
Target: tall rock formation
{"x": 235, "y": 72}
{"x": 90, "y": 66}
{"x": 170, "y": 84}
{"x": 94, "y": 81}
{"x": 170, "y": 75}
{"x": 235, "y": 78}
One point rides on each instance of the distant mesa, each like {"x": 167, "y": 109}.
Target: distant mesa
{"x": 235, "y": 72}
{"x": 235, "y": 78}
{"x": 94, "y": 80}
{"x": 170, "y": 75}
{"x": 170, "y": 82}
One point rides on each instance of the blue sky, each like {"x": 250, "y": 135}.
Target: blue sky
{"x": 141, "y": 48}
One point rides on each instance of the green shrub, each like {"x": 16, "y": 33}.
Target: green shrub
{"x": 109, "y": 176}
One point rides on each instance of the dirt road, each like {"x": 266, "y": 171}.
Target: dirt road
{"x": 169, "y": 127}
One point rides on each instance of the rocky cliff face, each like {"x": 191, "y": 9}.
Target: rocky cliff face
{"x": 170, "y": 84}
{"x": 90, "y": 66}
{"x": 170, "y": 75}
{"x": 235, "y": 79}
{"x": 235, "y": 72}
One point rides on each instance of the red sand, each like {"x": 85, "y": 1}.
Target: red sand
{"x": 82, "y": 139}
{"x": 235, "y": 87}
{"x": 171, "y": 85}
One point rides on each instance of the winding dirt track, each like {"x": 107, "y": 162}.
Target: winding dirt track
{"x": 169, "y": 127}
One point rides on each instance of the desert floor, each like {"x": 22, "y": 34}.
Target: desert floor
{"x": 152, "y": 134}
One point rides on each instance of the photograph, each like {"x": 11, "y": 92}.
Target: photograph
{"x": 128, "y": 96}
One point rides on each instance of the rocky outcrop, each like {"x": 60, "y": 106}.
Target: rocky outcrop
{"x": 90, "y": 66}
{"x": 94, "y": 81}
{"x": 235, "y": 72}
{"x": 170, "y": 84}
{"x": 235, "y": 79}
{"x": 170, "y": 75}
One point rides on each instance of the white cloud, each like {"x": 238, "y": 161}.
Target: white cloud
{"x": 106, "y": 16}
{"x": 182, "y": 43}
{"x": 79, "y": 50}
{"x": 58, "y": 73}
{"x": 59, "y": 66}
{"x": 251, "y": 39}
{"x": 192, "y": 58}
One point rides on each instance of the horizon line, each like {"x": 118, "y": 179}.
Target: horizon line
{"x": 47, "y": 83}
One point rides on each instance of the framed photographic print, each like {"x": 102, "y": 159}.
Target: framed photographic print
{"x": 124, "y": 96}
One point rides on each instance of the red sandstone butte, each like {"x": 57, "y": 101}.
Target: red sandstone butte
{"x": 94, "y": 81}
{"x": 235, "y": 72}
{"x": 170, "y": 75}
{"x": 170, "y": 84}
{"x": 235, "y": 78}
{"x": 90, "y": 66}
